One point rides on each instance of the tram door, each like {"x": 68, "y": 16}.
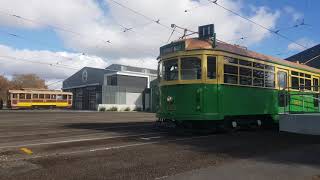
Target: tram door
{"x": 283, "y": 82}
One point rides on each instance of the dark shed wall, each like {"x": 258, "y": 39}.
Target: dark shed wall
{"x": 94, "y": 76}
{"x": 306, "y": 55}
{"x": 132, "y": 81}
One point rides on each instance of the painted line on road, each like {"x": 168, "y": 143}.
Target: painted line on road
{"x": 148, "y": 138}
{"x": 77, "y": 140}
{"x": 26, "y": 150}
{"x": 111, "y": 148}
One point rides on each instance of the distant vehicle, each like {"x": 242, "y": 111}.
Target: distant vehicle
{"x": 213, "y": 84}
{"x": 38, "y": 98}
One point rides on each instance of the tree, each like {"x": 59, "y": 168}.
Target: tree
{"x": 27, "y": 81}
{"x": 4, "y": 86}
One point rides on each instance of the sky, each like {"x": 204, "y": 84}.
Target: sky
{"x": 55, "y": 39}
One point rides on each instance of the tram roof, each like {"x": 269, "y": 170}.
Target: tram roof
{"x": 195, "y": 43}
{"x": 39, "y": 91}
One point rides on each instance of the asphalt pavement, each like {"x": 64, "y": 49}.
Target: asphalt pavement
{"x": 112, "y": 145}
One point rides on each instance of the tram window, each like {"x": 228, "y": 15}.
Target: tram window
{"x": 307, "y": 75}
{"x": 22, "y": 96}
{"x": 170, "y": 70}
{"x": 47, "y": 96}
{"x": 245, "y": 80}
{"x": 41, "y": 96}
{"x": 245, "y": 63}
{"x": 69, "y": 97}
{"x": 35, "y": 96}
{"x": 295, "y": 82}
{"x": 258, "y": 74}
{"x": 14, "y": 96}
{"x": 270, "y": 68}
{"x": 302, "y": 83}
{"x": 230, "y": 60}
{"x": 295, "y": 73}
{"x": 258, "y": 65}
{"x": 190, "y": 68}
{"x": 302, "y": 74}
{"x": 269, "y": 79}
{"x": 53, "y": 96}
{"x": 316, "y": 84}
{"x": 211, "y": 67}
{"x": 258, "y": 82}
{"x": 65, "y": 97}
{"x": 245, "y": 71}
{"x": 282, "y": 79}
{"x": 28, "y": 96}
{"x": 59, "y": 97}
{"x": 308, "y": 84}
{"x": 230, "y": 69}
{"x": 231, "y": 79}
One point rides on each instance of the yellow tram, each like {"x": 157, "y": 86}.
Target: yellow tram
{"x": 38, "y": 98}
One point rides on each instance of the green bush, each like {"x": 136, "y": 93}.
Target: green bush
{"x": 102, "y": 109}
{"x": 113, "y": 109}
{"x": 127, "y": 109}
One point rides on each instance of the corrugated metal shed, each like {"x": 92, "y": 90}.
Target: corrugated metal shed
{"x": 307, "y": 55}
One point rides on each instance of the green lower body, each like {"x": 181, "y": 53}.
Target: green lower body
{"x": 216, "y": 102}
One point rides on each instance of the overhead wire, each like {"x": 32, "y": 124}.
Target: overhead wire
{"x": 56, "y": 27}
{"x": 257, "y": 24}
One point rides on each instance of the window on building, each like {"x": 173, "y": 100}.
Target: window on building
{"x": 316, "y": 84}
{"x": 211, "y": 67}
{"x": 170, "y": 70}
{"x": 35, "y": 96}
{"x": 112, "y": 80}
{"x": 190, "y": 68}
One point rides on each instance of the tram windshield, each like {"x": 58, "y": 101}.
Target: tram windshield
{"x": 190, "y": 68}
{"x": 170, "y": 70}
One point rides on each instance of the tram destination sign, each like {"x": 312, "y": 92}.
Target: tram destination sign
{"x": 172, "y": 47}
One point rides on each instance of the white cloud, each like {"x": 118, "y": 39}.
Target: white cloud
{"x": 96, "y": 24}
{"x": 295, "y": 15}
{"x": 304, "y": 42}
{"x": 101, "y": 24}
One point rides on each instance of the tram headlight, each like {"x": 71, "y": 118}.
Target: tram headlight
{"x": 170, "y": 99}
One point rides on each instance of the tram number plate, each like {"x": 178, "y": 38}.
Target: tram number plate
{"x": 171, "y": 107}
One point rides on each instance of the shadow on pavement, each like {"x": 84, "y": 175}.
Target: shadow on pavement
{"x": 261, "y": 145}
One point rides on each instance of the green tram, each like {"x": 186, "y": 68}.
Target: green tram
{"x": 208, "y": 83}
